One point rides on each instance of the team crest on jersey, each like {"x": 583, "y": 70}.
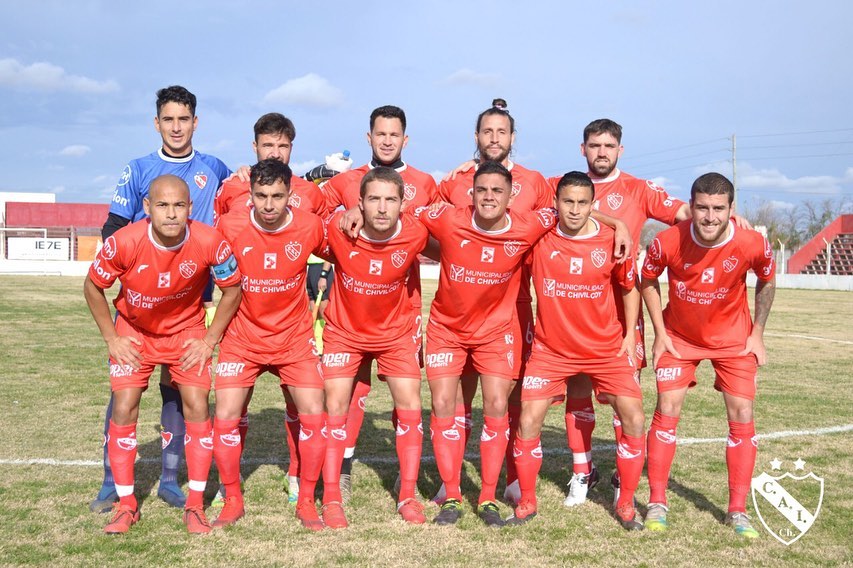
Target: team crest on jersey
{"x": 654, "y": 187}
{"x": 347, "y": 280}
{"x": 187, "y": 268}
{"x": 270, "y": 260}
{"x": 294, "y": 201}
{"x": 516, "y": 188}
{"x": 681, "y": 290}
{"x": 575, "y": 265}
{"x": 134, "y": 298}
{"x": 164, "y": 280}
{"x": 293, "y": 250}
{"x": 546, "y": 217}
{"x": 398, "y": 258}
{"x": 409, "y": 191}
{"x": 708, "y": 276}
{"x": 549, "y": 287}
{"x": 457, "y": 273}
{"x": 511, "y": 247}
{"x": 375, "y": 267}
{"x": 200, "y": 180}
{"x": 223, "y": 252}
{"x": 108, "y": 251}
{"x": 599, "y": 257}
{"x": 730, "y": 264}
{"x": 487, "y": 254}
{"x": 614, "y": 201}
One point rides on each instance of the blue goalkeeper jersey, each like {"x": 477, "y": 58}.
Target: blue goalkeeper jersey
{"x": 202, "y": 172}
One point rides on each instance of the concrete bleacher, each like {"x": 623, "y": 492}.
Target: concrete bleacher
{"x": 841, "y": 257}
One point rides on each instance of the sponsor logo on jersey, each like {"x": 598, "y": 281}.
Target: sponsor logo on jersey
{"x": 134, "y": 298}
{"x": 96, "y": 266}
{"x": 655, "y": 187}
{"x": 375, "y": 267}
{"x": 117, "y": 370}
{"x": 348, "y": 281}
{"x": 200, "y": 180}
{"x": 516, "y": 188}
{"x": 681, "y": 290}
{"x": 229, "y": 369}
{"x": 655, "y": 249}
{"x": 534, "y": 383}
{"x": 402, "y": 429}
{"x": 708, "y": 276}
{"x": 549, "y": 287}
{"x": 511, "y": 247}
{"x": 451, "y": 434}
{"x": 305, "y": 434}
{"x": 124, "y": 178}
{"x": 487, "y": 435}
{"x": 439, "y": 359}
{"x": 108, "y": 251}
{"x": 768, "y": 250}
{"x": 457, "y": 273}
{"x": 626, "y": 453}
{"x": 546, "y": 217}
{"x": 575, "y": 265}
{"x": 463, "y": 242}
{"x": 487, "y": 254}
{"x": 245, "y": 250}
{"x": 687, "y": 265}
{"x": 398, "y": 258}
{"x": 599, "y": 257}
{"x": 223, "y": 252}
{"x": 128, "y": 443}
{"x": 187, "y": 268}
{"x": 141, "y": 268}
{"x": 294, "y": 200}
{"x": 536, "y": 452}
{"x": 409, "y": 191}
{"x": 293, "y": 250}
{"x": 164, "y": 280}
{"x": 666, "y": 374}
{"x": 553, "y": 254}
{"x": 353, "y": 253}
{"x": 665, "y": 436}
{"x": 509, "y": 338}
{"x": 730, "y": 263}
{"x": 336, "y": 359}
{"x": 614, "y": 201}
{"x": 232, "y": 439}
{"x": 245, "y": 284}
{"x": 165, "y": 439}
{"x": 270, "y": 260}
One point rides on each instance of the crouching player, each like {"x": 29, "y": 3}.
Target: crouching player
{"x": 272, "y": 332}
{"x": 578, "y": 333}
{"x": 163, "y": 264}
{"x": 707, "y": 258}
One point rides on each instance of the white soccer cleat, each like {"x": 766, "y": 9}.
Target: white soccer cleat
{"x": 512, "y": 493}
{"x": 440, "y": 496}
{"x": 579, "y": 486}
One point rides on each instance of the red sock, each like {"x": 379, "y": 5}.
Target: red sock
{"x": 227, "y": 446}
{"x": 336, "y": 432}
{"x": 493, "y": 442}
{"x": 198, "y": 449}
{"x": 661, "y": 450}
{"x": 465, "y": 424}
{"x": 291, "y": 427}
{"x": 312, "y": 451}
{"x": 741, "y": 448}
{"x": 630, "y": 457}
{"x": 356, "y": 413}
{"x": 580, "y": 422}
{"x": 514, "y": 414}
{"x": 446, "y": 440}
{"x": 244, "y": 429}
{"x": 121, "y": 450}
{"x": 617, "y": 428}
{"x": 410, "y": 437}
{"x": 528, "y": 462}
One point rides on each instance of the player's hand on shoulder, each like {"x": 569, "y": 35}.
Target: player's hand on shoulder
{"x": 741, "y": 222}
{"x": 623, "y": 245}
{"x": 124, "y": 352}
{"x": 243, "y": 173}
{"x": 460, "y": 169}
{"x": 351, "y": 222}
{"x": 196, "y": 352}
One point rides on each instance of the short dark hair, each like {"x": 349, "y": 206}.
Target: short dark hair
{"x": 388, "y": 111}
{"x": 176, "y": 94}
{"x": 382, "y": 173}
{"x": 275, "y": 123}
{"x": 713, "y": 184}
{"x": 492, "y": 167}
{"x": 496, "y": 111}
{"x": 603, "y": 126}
{"x": 267, "y": 172}
{"x": 577, "y": 179}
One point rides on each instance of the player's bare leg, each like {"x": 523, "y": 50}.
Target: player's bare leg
{"x": 741, "y": 448}
{"x": 312, "y": 451}
{"x": 630, "y": 457}
{"x": 493, "y": 442}
{"x": 406, "y": 393}
{"x": 661, "y": 452}
{"x": 527, "y": 453}
{"x": 172, "y": 431}
{"x": 227, "y": 450}
{"x": 446, "y": 439}
{"x": 339, "y": 392}
{"x": 580, "y": 423}
{"x": 122, "y": 448}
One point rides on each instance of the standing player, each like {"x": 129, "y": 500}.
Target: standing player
{"x": 176, "y": 122}
{"x": 163, "y": 265}
{"x": 371, "y": 316}
{"x": 707, "y": 317}
{"x": 271, "y": 332}
{"x": 578, "y": 332}
{"x": 474, "y": 315}
{"x": 387, "y": 138}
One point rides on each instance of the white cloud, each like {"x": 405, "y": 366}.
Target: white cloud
{"x": 300, "y": 168}
{"x": 75, "y": 151}
{"x": 466, "y": 76}
{"x": 48, "y": 77}
{"x": 775, "y": 204}
{"x": 766, "y": 180}
{"x": 309, "y": 91}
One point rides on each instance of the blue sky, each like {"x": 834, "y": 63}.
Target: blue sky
{"x": 77, "y": 83}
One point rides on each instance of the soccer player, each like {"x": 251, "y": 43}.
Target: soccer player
{"x": 163, "y": 264}
{"x": 578, "y": 332}
{"x": 387, "y": 138}
{"x": 474, "y": 315}
{"x": 371, "y": 316}
{"x": 707, "y": 259}
{"x": 272, "y": 332}
{"x": 176, "y": 122}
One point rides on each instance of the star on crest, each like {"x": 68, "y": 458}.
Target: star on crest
{"x": 799, "y": 464}
{"x": 775, "y": 463}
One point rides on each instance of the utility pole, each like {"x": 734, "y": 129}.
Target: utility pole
{"x": 734, "y": 169}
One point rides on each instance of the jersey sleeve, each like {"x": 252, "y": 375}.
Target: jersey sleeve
{"x": 623, "y": 274}
{"x": 126, "y": 200}
{"x": 655, "y": 259}
{"x": 332, "y": 194}
{"x": 658, "y": 203}
{"x": 108, "y": 265}
{"x": 762, "y": 263}
{"x": 544, "y": 193}
{"x": 546, "y": 220}
{"x": 432, "y": 220}
{"x": 223, "y": 264}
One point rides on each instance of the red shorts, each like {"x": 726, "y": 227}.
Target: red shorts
{"x": 497, "y": 356}
{"x": 548, "y": 372}
{"x": 735, "y": 374}
{"x": 238, "y": 367}
{"x": 399, "y": 357}
{"x": 524, "y": 311}
{"x": 158, "y": 350}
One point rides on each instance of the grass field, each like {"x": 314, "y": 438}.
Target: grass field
{"x": 53, "y": 390}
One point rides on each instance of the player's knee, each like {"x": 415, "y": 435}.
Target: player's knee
{"x": 529, "y": 427}
{"x": 495, "y": 405}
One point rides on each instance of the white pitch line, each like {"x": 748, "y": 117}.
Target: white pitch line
{"x": 812, "y": 337}
{"x": 471, "y": 456}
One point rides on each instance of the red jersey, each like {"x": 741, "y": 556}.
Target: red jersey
{"x": 236, "y": 195}
{"x": 576, "y": 280}
{"x": 161, "y": 287}
{"x": 480, "y": 270}
{"x": 344, "y": 189}
{"x": 707, "y": 285}
{"x": 369, "y": 299}
{"x": 274, "y": 312}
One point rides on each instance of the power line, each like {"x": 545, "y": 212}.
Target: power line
{"x": 680, "y": 158}
{"x": 798, "y": 145}
{"x": 796, "y": 133}
{"x": 679, "y": 148}
{"x": 797, "y": 157}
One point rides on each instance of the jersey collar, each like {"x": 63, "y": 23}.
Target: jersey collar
{"x": 497, "y": 232}
{"x": 613, "y": 177}
{"x": 178, "y": 246}
{"x": 267, "y": 231}
{"x": 589, "y": 235}
{"x": 726, "y": 241}
{"x": 173, "y": 160}
{"x": 397, "y": 231}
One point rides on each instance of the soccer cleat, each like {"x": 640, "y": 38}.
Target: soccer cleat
{"x": 103, "y": 503}
{"x": 440, "y": 495}
{"x": 656, "y": 517}
{"x": 450, "y": 513}
{"x": 579, "y": 486}
{"x": 615, "y": 482}
{"x": 307, "y": 515}
{"x": 740, "y": 522}
{"x": 292, "y": 489}
{"x": 232, "y": 511}
{"x": 524, "y": 512}
{"x": 512, "y": 493}
{"x": 123, "y": 518}
{"x": 334, "y": 516}
{"x": 412, "y": 511}
{"x": 172, "y": 494}
{"x": 196, "y": 521}
{"x": 346, "y": 487}
{"x": 489, "y": 512}
{"x": 629, "y": 518}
